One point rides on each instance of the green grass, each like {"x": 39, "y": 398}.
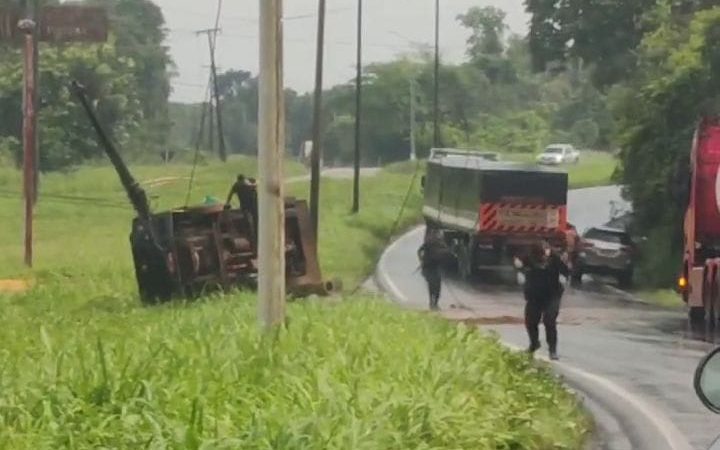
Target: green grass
{"x": 594, "y": 169}
{"x": 83, "y": 365}
{"x": 666, "y": 298}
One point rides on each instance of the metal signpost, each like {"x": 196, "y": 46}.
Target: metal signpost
{"x": 70, "y": 23}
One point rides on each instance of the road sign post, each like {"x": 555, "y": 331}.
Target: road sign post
{"x": 68, "y": 23}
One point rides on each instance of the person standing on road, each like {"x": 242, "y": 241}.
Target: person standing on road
{"x": 543, "y": 294}
{"x": 431, "y": 254}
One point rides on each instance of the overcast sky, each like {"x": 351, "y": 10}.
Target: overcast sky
{"x": 392, "y": 27}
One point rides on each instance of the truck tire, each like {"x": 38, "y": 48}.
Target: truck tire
{"x": 711, "y": 308}
{"x": 464, "y": 264}
{"x": 576, "y": 277}
{"x": 696, "y": 315}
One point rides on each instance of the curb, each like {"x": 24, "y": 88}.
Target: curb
{"x": 643, "y": 428}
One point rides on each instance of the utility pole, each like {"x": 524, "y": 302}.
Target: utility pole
{"x": 436, "y": 101}
{"x": 271, "y": 146}
{"x": 32, "y": 15}
{"x": 358, "y": 107}
{"x": 27, "y": 26}
{"x": 413, "y": 152}
{"x": 212, "y": 39}
{"x": 211, "y": 126}
{"x": 317, "y": 122}
{"x": 64, "y": 23}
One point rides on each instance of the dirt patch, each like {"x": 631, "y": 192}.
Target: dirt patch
{"x": 14, "y": 286}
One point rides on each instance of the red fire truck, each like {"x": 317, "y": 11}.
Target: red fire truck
{"x": 699, "y": 281}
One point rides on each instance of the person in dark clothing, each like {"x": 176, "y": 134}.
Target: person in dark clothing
{"x": 246, "y": 192}
{"x": 431, "y": 254}
{"x": 543, "y": 293}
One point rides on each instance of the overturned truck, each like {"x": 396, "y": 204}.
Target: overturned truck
{"x": 489, "y": 212}
{"x": 191, "y": 251}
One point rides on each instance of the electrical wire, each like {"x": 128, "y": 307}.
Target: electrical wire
{"x": 208, "y": 95}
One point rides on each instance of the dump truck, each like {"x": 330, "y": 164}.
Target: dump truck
{"x": 188, "y": 252}
{"x": 489, "y": 211}
{"x": 699, "y": 278}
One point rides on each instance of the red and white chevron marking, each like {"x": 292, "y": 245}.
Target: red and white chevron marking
{"x": 521, "y": 218}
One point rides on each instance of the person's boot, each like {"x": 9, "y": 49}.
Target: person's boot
{"x": 535, "y": 346}
{"x": 553, "y": 355}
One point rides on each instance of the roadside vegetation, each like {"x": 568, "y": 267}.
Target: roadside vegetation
{"x": 86, "y": 366}
{"x": 658, "y": 78}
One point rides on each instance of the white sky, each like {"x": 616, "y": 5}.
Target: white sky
{"x": 391, "y": 27}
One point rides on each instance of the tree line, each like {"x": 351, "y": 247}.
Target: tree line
{"x": 493, "y": 100}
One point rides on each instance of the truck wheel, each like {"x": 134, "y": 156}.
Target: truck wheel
{"x": 696, "y": 315}
{"x": 576, "y": 278}
{"x": 464, "y": 264}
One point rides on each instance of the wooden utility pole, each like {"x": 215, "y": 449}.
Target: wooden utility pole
{"x": 358, "y": 108}
{"x": 317, "y": 122}
{"x": 436, "y": 99}
{"x": 27, "y": 26}
{"x": 65, "y": 23}
{"x": 271, "y": 146}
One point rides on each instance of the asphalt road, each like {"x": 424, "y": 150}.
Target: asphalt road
{"x": 647, "y": 352}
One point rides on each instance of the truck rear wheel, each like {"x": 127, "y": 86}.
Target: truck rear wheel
{"x": 465, "y": 266}
{"x": 696, "y": 315}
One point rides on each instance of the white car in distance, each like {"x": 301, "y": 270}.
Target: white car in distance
{"x": 559, "y": 154}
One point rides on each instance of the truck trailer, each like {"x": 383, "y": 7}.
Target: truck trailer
{"x": 699, "y": 280}
{"x": 490, "y": 211}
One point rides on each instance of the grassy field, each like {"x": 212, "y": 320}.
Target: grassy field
{"x": 594, "y": 169}
{"x": 83, "y": 365}
{"x": 666, "y": 298}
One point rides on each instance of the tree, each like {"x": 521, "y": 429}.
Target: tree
{"x": 676, "y": 82}
{"x": 488, "y": 29}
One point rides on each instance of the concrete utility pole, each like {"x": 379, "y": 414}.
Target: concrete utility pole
{"x": 413, "y": 152}
{"x": 358, "y": 107}
{"x": 436, "y": 100}
{"x": 317, "y": 122}
{"x": 212, "y": 40}
{"x": 271, "y": 146}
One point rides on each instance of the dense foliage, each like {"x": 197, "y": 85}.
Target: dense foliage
{"x": 492, "y": 101}
{"x": 659, "y": 62}
{"x": 127, "y": 76}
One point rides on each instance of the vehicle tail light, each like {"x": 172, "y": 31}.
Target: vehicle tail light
{"x": 682, "y": 282}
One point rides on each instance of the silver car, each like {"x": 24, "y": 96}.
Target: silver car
{"x": 606, "y": 251}
{"x": 559, "y": 154}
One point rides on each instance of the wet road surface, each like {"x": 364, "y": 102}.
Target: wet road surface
{"x": 650, "y": 352}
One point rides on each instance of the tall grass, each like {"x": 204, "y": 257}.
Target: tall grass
{"x": 83, "y": 365}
